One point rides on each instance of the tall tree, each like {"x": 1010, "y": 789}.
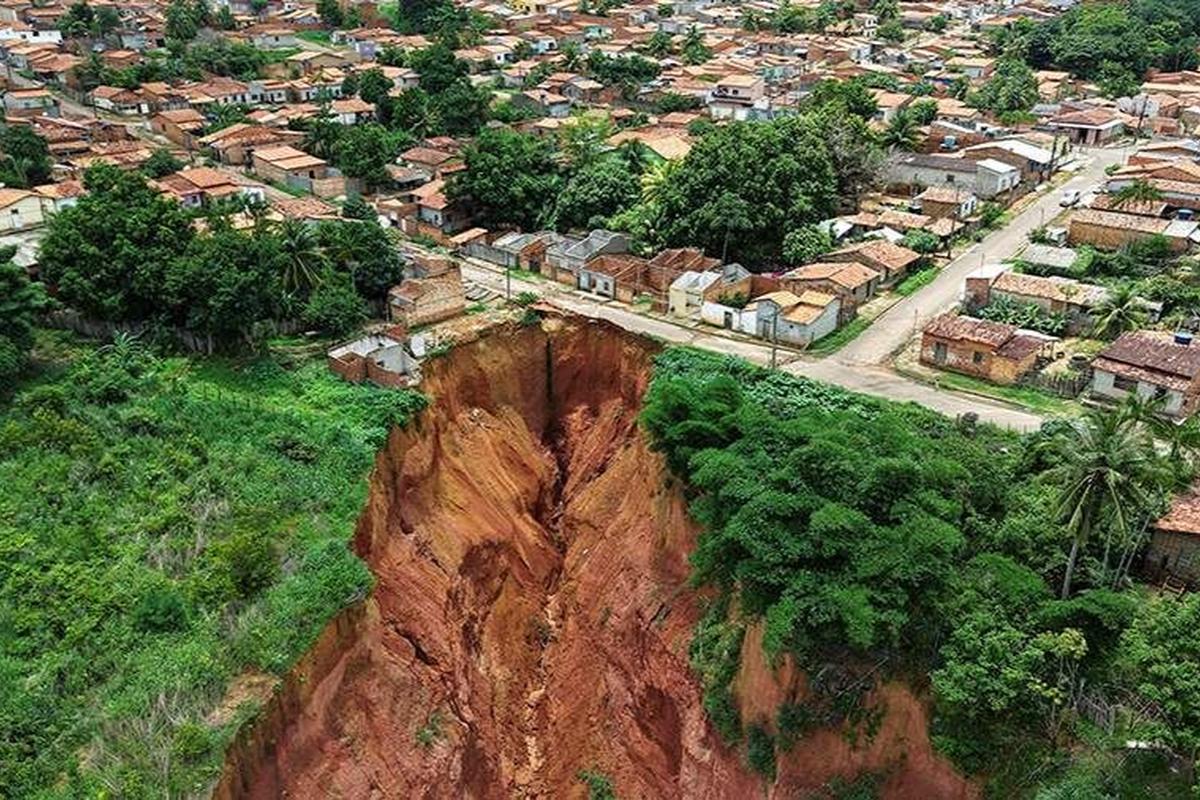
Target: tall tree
{"x": 303, "y": 263}
{"x": 1121, "y": 310}
{"x": 1108, "y": 462}
{"x": 108, "y": 254}
{"x": 902, "y": 132}
{"x": 20, "y": 303}
{"x": 1138, "y": 191}
{"x": 510, "y": 176}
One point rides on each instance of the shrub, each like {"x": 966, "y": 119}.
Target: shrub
{"x": 335, "y": 308}
{"x": 760, "y": 751}
{"x": 599, "y": 786}
{"x": 160, "y": 610}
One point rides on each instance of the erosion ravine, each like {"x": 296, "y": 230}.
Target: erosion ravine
{"x": 531, "y": 613}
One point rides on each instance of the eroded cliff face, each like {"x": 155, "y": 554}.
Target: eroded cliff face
{"x": 531, "y": 617}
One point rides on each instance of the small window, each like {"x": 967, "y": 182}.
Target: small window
{"x": 977, "y": 357}
{"x": 949, "y": 179}
{"x": 1124, "y": 384}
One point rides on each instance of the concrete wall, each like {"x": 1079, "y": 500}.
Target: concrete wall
{"x": 1104, "y": 384}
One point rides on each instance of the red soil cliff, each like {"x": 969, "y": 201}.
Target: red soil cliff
{"x": 530, "y": 617}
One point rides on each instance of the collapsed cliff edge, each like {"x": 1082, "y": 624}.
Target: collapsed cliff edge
{"x": 531, "y": 613}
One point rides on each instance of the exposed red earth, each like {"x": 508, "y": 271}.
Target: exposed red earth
{"x": 531, "y": 614}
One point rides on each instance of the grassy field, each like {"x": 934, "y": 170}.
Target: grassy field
{"x": 916, "y": 281}
{"x": 166, "y": 524}
{"x": 1033, "y": 399}
{"x": 316, "y": 37}
{"x": 839, "y": 338}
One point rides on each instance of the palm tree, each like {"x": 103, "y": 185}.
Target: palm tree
{"x": 1107, "y": 464}
{"x": 303, "y": 262}
{"x": 1121, "y": 310}
{"x": 902, "y": 132}
{"x": 655, "y": 179}
{"x": 572, "y": 55}
{"x": 1140, "y": 191}
{"x": 752, "y": 20}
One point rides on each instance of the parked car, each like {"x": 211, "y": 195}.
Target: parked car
{"x": 1070, "y": 197}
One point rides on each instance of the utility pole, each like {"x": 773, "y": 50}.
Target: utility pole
{"x": 774, "y": 336}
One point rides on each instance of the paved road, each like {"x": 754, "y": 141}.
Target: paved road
{"x": 866, "y": 379}
{"x": 892, "y": 329}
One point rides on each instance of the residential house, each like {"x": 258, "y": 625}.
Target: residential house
{"x": 546, "y": 103}
{"x": 852, "y": 282}
{"x": 117, "y": 100}
{"x": 20, "y": 210}
{"x": 1048, "y": 258}
{"x": 1035, "y": 163}
{"x": 291, "y": 167}
{"x": 57, "y": 197}
{"x": 986, "y": 178}
{"x": 891, "y": 261}
{"x": 686, "y": 295}
{"x": 236, "y": 144}
{"x": 565, "y": 258}
{"x": 183, "y": 126}
{"x": 1174, "y": 550}
{"x": 36, "y": 102}
{"x": 426, "y": 300}
{"x": 797, "y": 320}
{"x": 737, "y": 97}
{"x": 1111, "y": 230}
{"x": 199, "y": 186}
{"x": 381, "y": 358}
{"x": 993, "y": 351}
{"x": 436, "y": 214}
{"x": 606, "y": 275}
{"x": 946, "y": 202}
{"x": 1154, "y": 365}
{"x": 1074, "y": 300}
{"x": 1090, "y": 127}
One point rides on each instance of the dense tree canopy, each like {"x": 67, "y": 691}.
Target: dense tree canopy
{"x": 862, "y": 532}
{"x": 126, "y": 253}
{"x": 511, "y": 178}
{"x": 24, "y": 157}
{"x": 779, "y": 175}
{"x": 595, "y": 193}
{"x": 20, "y": 303}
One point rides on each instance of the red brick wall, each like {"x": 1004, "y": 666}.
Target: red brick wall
{"x": 352, "y": 367}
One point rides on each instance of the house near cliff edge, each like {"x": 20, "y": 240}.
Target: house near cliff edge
{"x": 434, "y": 294}
{"x": 383, "y": 357}
{"x": 1174, "y": 551}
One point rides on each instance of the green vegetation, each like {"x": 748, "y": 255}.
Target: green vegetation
{"x": 1101, "y": 41}
{"x": 743, "y": 186}
{"x": 916, "y": 281}
{"x": 20, "y": 303}
{"x": 126, "y": 254}
{"x": 867, "y": 534}
{"x": 24, "y": 157}
{"x": 1028, "y": 397}
{"x": 167, "y": 524}
{"x": 599, "y": 786}
{"x": 1024, "y": 315}
{"x": 839, "y": 338}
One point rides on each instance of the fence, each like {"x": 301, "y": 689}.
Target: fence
{"x": 1069, "y": 386}
{"x": 196, "y": 343}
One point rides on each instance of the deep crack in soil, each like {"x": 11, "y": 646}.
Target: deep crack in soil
{"x": 530, "y": 617}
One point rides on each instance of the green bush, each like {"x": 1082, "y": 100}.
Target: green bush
{"x": 147, "y": 506}
{"x": 760, "y": 751}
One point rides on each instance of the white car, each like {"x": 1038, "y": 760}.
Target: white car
{"x": 1069, "y": 198}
